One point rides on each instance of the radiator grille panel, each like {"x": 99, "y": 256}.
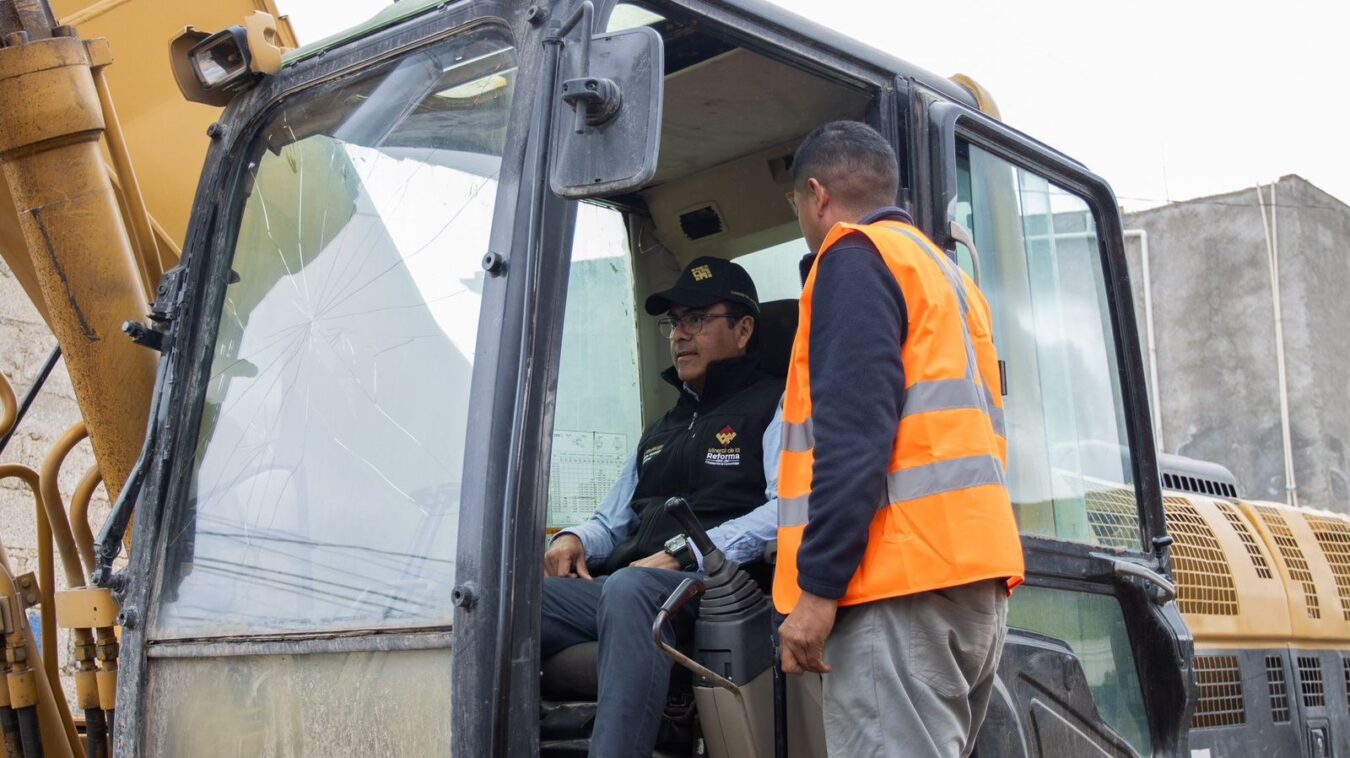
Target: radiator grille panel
{"x": 1293, "y": 557}
{"x": 1204, "y": 581}
{"x": 1220, "y": 702}
{"x": 1334, "y": 537}
{"x": 1279, "y": 694}
{"x": 1244, "y": 533}
{"x": 1345, "y": 663}
{"x": 1310, "y": 681}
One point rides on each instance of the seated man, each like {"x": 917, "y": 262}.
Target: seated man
{"x": 717, "y": 448}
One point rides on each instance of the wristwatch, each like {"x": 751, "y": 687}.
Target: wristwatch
{"x": 677, "y": 547}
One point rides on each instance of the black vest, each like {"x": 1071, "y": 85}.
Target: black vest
{"x": 709, "y": 450}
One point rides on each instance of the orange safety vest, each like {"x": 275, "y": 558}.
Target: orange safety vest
{"x": 946, "y": 519}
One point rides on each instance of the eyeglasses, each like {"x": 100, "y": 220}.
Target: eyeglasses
{"x": 792, "y": 203}
{"x": 690, "y": 323}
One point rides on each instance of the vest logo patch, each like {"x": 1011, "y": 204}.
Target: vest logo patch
{"x": 651, "y": 453}
{"x": 700, "y": 273}
{"x": 726, "y": 435}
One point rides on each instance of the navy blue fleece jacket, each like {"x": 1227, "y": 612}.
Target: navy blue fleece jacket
{"x": 858, "y": 324}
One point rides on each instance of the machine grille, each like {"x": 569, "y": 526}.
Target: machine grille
{"x": 1345, "y": 663}
{"x": 1293, "y": 557}
{"x": 1114, "y": 518}
{"x": 1244, "y": 533}
{"x": 1220, "y": 702}
{"x": 1204, "y": 581}
{"x": 1334, "y": 537}
{"x": 1279, "y": 695}
{"x": 1310, "y": 681}
{"x": 1198, "y": 484}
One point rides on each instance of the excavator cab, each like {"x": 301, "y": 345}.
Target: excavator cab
{"x": 403, "y": 346}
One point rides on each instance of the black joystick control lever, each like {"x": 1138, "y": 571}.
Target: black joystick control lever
{"x": 714, "y": 562}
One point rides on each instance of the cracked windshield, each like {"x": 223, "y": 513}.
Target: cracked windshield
{"x": 326, "y": 483}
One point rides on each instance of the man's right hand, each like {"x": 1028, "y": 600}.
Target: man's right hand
{"x": 566, "y": 557}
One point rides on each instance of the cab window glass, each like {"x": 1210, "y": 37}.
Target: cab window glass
{"x": 776, "y": 270}
{"x": 1041, "y": 269}
{"x": 325, "y": 487}
{"x": 1093, "y": 627}
{"x": 599, "y": 415}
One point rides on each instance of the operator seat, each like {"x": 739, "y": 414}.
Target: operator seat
{"x": 569, "y": 679}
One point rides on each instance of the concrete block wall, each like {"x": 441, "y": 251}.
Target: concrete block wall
{"x": 25, "y": 343}
{"x": 1214, "y": 325}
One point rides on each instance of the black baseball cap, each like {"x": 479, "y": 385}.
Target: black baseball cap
{"x": 704, "y": 282}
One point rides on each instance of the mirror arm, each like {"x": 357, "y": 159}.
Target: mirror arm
{"x": 584, "y": 15}
{"x": 594, "y": 101}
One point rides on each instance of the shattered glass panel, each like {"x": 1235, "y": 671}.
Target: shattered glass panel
{"x": 325, "y": 491}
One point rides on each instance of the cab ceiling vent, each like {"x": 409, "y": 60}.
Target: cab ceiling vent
{"x": 1114, "y": 518}
{"x": 1244, "y": 532}
{"x": 1279, "y": 694}
{"x": 1310, "y": 681}
{"x": 701, "y": 223}
{"x": 1334, "y": 536}
{"x": 1204, "y": 581}
{"x": 1220, "y": 702}
{"x": 1293, "y": 557}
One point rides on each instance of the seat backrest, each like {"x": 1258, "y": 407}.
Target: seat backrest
{"x": 775, "y": 330}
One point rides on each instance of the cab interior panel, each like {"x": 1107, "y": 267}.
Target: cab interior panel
{"x": 732, "y": 120}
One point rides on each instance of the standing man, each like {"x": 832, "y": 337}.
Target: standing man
{"x": 717, "y": 448}
{"x": 897, "y": 543}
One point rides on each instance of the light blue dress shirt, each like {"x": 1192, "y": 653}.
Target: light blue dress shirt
{"x": 741, "y": 539}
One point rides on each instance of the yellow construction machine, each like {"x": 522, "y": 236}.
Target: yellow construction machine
{"x": 356, "y": 329}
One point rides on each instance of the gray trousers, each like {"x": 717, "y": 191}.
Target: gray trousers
{"x": 912, "y": 676}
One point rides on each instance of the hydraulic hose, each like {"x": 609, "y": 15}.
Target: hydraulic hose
{"x": 30, "y": 396}
{"x": 95, "y": 734}
{"x": 9, "y": 730}
{"x": 30, "y": 732}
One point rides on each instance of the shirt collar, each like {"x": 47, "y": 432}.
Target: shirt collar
{"x": 887, "y": 213}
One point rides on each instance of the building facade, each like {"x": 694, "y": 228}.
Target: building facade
{"x": 1214, "y": 343}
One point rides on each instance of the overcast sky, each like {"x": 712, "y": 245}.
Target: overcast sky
{"x": 1168, "y": 100}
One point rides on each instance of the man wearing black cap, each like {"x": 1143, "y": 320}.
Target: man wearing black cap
{"x": 710, "y": 449}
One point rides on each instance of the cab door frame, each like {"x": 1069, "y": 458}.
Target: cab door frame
{"x": 1162, "y": 645}
{"x": 497, "y": 697}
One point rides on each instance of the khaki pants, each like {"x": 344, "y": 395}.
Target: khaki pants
{"x": 912, "y": 676}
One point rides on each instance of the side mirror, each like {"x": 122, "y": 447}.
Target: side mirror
{"x": 607, "y": 112}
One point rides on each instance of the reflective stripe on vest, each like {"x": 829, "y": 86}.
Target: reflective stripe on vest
{"x": 912, "y": 484}
{"x": 924, "y": 397}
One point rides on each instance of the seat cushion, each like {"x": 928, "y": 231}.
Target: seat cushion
{"x": 571, "y": 674}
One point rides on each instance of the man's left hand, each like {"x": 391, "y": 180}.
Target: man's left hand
{"x": 802, "y": 635}
{"x": 661, "y": 560}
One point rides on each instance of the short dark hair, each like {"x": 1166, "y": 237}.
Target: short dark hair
{"x": 739, "y": 311}
{"x": 852, "y": 160}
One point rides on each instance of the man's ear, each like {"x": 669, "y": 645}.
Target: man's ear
{"x": 820, "y": 193}
{"x": 745, "y": 329}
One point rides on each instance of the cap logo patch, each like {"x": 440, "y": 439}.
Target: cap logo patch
{"x": 726, "y": 435}
{"x": 700, "y": 273}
